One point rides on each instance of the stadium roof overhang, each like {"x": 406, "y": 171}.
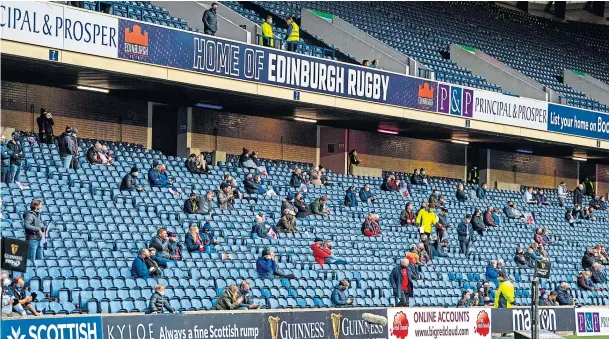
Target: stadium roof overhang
{"x": 40, "y": 72}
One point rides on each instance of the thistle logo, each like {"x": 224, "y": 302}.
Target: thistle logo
{"x": 136, "y": 41}
{"x": 400, "y": 325}
{"x": 483, "y": 324}
{"x": 426, "y": 95}
{"x": 16, "y": 334}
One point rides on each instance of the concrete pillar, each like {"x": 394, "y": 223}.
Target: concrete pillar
{"x": 148, "y": 144}
{"x": 184, "y": 126}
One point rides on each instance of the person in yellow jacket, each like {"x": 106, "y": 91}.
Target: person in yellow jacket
{"x": 293, "y": 34}
{"x": 267, "y": 39}
{"x": 504, "y": 296}
{"x": 427, "y": 219}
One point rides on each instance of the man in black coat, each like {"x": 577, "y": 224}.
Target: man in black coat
{"x": 158, "y": 302}
{"x": 45, "y": 127}
{"x": 17, "y": 155}
{"x": 34, "y": 230}
{"x": 578, "y": 195}
{"x": 193, "y": 205}
{"x": 588, "y": 259}
{"x": 129, "y": 182}
{"x": 210, "y": 20}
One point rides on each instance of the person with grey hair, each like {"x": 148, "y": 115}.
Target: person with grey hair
{"x": 402, "y": 279}
{"x": 93, "y": 154}
{"x": 139, "y": 267}
{"x": 563, "y": 296}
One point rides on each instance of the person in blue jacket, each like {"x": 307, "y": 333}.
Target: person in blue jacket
{"x": 340, "y": 296}
{"x": 350, "y": 197}
{"x": 157, "y": 177}
{"x": 265, "y": 265}
{"x": 481, "y": 191}
{"x": 465, "y": 234}
{"x": 366, "y": 195}
{"x": 207, "y": 237}
{"x": 139, "y": 268}
{"x": 492, "y": 273}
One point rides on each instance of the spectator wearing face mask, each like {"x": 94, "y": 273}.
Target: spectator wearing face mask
{"x": 599, "y": 275}
{"x": 465, "y": 301}
{"x": 588, "y": 213}
{"x": 287, "y": 223}
{"x": 244, "y": 292}
{"x": 318, "y": 206}
{"x": 584, "y": 281}
{"x": 541, "y": 198}
{"x": 366, "y": 195}
{"x": 129, "y": 182}
{"x": 34, "y": 230}
{"x": 520, "y": 259}
{"x": 288, "y": 203}
{"x": 194, "y": 205}
{"x": 427, "y": 219}
{"x": 578, "y": 195}
{"x": 548, "y": 300}
{"x": 196, "y": 165}
{"x": 21, "y": 300}
{"x": 497, "y": 217}
{"x": 207, "y": 207}
{"x": 45, "y": 127}
{"x": 158, "y": 302}
{"x": 340, "y": 296}
{"x": 488, "y": 217}
{"x": 504, "y": 297}
{"x": 460, "y": 194}
{"x": 562, "y": 193}
{"x": 408, "y": 216}
{"x": 481, "y": 191}
{"x": 301, "y": 206}
{"x": 175, "y": 247}
{"x": 6, "y": 161}
{"x": 478, "y": 223}
{"x": 562, "y": 295}
{"x": 229, "y": 299}
{"x": 158, "y": 177}
{"x": 66, "y": 147}
{"x": 7, "y": 299}
{"x": 442, "y": 225}
{"x": 350, "y": 197}
{"x": 589, "y": 258}
{"x": 370, "y": 226}
{"x": 434, "y": 199}
{"x": 402, "y": 279}
{"x": 511, "y": 212}
{"x": 322, "y": 253}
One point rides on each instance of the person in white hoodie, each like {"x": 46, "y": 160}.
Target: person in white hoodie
{"x": 562, "y": 193}
{"x": 528, "y": 196}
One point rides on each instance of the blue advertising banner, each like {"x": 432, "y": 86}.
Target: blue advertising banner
{"x": 579, "y": 122}
{"x": 52, "y": 328}
{"x": 209, "y": 55}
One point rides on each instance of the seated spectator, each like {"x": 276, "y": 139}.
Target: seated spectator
{"x": 96, "y": 155}
{"x": 323, "y": 177}
{"x": 287, "y": 223}
{"x": 604, "y": 205}
{"x": 207, "y": 206}
{"x": 200, "y": 240}
{"x": 577, "y": 212}
{"x": 532, "y": 256}
{"x": 520, "y": 259}
{"x": 374, "y": 64}
{"x": 229, "y": 300}
{"x": 318, "y": 206}
{"x": 245, "y": 160}
{"x": 174, "y": 247}
{"x": 340, "y": 297}
{"x": 442, "y": 225}
{"x": 478, "y": 223}
{"x": 226, "y": 198}
{"x": 158, "y": 177}
{"x": 562, "y": 295}
{"x": 385, "y": 184}
{"x": 296, "y": 179}
{"x": 408, "y": 217}
{"x": 160, "y": 242}
{"x": 194, "y": 165}
{"x": 370, "y": 226}
{"x": 549, "y": 300}
{"x": 589, "y": 213}
{"x": 584, "y": 281}
{"x": 464, "y": 302}
{"x": 208, "y": 238}
{"x": 539, "y": 250}
{"x": 262, "y": 230}
{"x": 438, "y": 247}
{"x": 194, "y": 204}
{"x": 545, "y": 235}
{"x": 315, "y": 176}
{"x": 301, "y": 206}
{"x": 263, "y": 190}
{"x": 366, "y": 195}
{"x": 426, "y": 218}
{"x": 20, "y": 300}
{"x": 288, "y": 203}
{"x": 254, "y": 157}
{"x": 541, "y": 198}
{"x": 267, "y": 267}
{"x": 481, "y": 191}
{"x": 350, "y": 197}
{"x": 322, "y": 253}
{"x": 488, "y": 217}
{"x": 416, "y": 178}
{"x": 539, "y": 237}
{"x": 158, "y": 258}
{"x": 235, "y": 189}
{"x": 158, "y": 302}
{"x": 492, "y": 273}
{"x": 423, "y": 176}
{"x": 599, "y": 276}
{"x": 511, "y": 212}
{"x": 486, "y": 293}
{"x": 141, "y": 267}
{"x": 528, "y": 198}
{"x": 366, "y": 63}
{"x": 227, "y": 180}
{"x": 595, "y": 203}
{"x": 569, "y": 217}
{"x": 589, "y": 258}
{"x": 250, "y": 186}
{"x": 244, "y": 292}
{"x": 129, "y": 182}
{"x": 434, "y": 199}
{"x": 497, "y": 217}
{"x": 460, "y": 194}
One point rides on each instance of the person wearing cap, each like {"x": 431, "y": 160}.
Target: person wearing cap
{"x": 66, "y": 147}
{"x": 287, "y": 223}
{"x": 245, "y": 161}
{"x": 465, "y": 234}
{"x": 129, "y": 182}
{"x": 504, "y": 296}
{"x": 45, "y": 127}
{"x": 317, "y": 206}
{"x": 265, "y": 265}
{"x": 288, "y": 203}
{"x": 226, "y": 199}
{"x": 465, "y": 301}
{"x": 208, "y": 238}
{"x": 350, "y": 197}
{"x": 194, "y": 205}
{"x": 17, "y": 157}
{"x": 195, "y": 165}
{"x": 157, "y": 177}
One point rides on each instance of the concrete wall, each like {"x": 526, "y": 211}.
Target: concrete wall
{"x": 337, "y": 160}
{"x": 498, "y": 73}
{"x": 228, "y": 20}
{"x": 589, "y": 85}
{"x": 352, "y": 44}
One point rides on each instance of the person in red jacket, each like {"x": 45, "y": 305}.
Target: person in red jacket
{"x": 322, "y": 253}
{"x": 370, "y": 226}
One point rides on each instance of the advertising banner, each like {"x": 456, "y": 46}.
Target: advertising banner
{"x": 52, "y": 328}
{"x": 558, "y": 319}
{"x": 579, "y": 122}
{"x": 509, "y": 110}
{"x": 45, "y": 24}
{"x": 14, "y": 254}
{"x": 439, "y": 323}
{"x": 592, "y": 321}
{"x": 209, "y": 55}
{"x": 455, "y": 100}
